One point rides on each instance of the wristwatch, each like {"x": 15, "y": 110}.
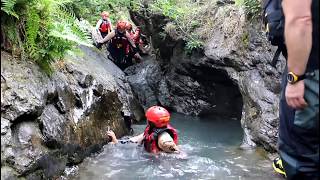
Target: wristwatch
{"x": 293, "y": 78}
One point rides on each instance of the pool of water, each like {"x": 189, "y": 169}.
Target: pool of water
{"x": 210, "y": 151}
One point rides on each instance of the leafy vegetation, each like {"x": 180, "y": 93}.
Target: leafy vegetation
{"x": 44, "y": 29}
{"x": 245, "y": 39}
{"x": 185, "y": 16}
{"x": 91, "y": 9}
{"x": 252, "y": 7}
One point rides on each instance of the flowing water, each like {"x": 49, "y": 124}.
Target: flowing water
{"x": 211, "y": 151}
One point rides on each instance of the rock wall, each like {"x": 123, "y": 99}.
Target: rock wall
{"x": 232, "y": 76}
{"x": 50, "y": 122}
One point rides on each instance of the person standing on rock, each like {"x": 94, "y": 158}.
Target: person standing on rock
{"x": 103, "y": 26}
{"x": 158, "y": 136}
{"x": 299, "y": 104}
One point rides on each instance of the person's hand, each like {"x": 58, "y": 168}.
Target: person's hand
{"x": 113, "y": 136}
{"x": 137, "y": 56}
{"x": 170, "y": 147}
{"x": 295, "y": 95}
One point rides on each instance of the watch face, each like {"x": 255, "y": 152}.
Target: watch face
{"x": 290, "y": 78}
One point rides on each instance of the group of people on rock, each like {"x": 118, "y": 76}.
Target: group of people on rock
{"x": 125, "y": 42}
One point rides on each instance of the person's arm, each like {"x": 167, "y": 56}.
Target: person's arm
{"x": 130, "y": 40}
{"x": 136, "y": 53}
{"x": 111, "y": 27}
{"x": 298, "y": 33}
{"x": 298, "y": 37}
{"x": 137, "y": 139}
{"x": 98, "y": 24}
{"x": 136, "y": 35}
{"x": 108, "y": 37}
{"x": 166, "y": 143}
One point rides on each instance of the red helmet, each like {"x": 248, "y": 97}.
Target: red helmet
{"x": 159, "y": 116}
{"x": 121, "y": 25}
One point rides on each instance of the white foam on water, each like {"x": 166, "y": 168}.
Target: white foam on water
{"x": 203, "y": 159}
{"x": 112, "y": 173}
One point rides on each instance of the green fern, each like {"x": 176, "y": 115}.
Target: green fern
{"x": 7, "y": 6}
{"x": 68, "y": 26}
{"x": 49, "y": 29}
{"x": 32, "y": 28}
{"x": 253, "y": 8}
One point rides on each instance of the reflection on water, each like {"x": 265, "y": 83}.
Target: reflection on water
{"x": 211, "y": 151}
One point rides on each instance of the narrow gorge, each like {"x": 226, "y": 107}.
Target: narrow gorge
{"x": 52, "y": 122}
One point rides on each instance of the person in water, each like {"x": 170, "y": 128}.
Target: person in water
{"x": 158, "y": 136}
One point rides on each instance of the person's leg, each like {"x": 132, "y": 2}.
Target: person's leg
{"x": 104, "y": 34}
{"x": 299, "y": 134}
{"x": 116, "y": 55}
{"x": 122, "y": 59}
{"x": 99, "y": 45}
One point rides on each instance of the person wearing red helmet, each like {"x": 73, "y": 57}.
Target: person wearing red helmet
{"x": 155, "y": 136}
{"x": 135, "y": 36}
{"x": 104, "y": 25}
{"x": 117, "y": 48}
{"x": 158, "y": 136}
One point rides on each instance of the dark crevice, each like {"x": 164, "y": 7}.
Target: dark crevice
{"x": 219, "y": 90}
{"x": 52, "y": 98}
{"x": 29, "y": 117}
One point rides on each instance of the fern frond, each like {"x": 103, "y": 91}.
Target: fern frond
{"x": 32, "y": 29}
{"x": 70, "y": 33}
{"x": 7, "y": 7}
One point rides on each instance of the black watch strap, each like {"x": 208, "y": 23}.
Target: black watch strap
{"x": 301, "y": 77}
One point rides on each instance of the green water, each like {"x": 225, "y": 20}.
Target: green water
{"x": 211, "y": 151}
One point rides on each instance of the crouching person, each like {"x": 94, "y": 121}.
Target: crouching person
{"x": 158, "y": 136}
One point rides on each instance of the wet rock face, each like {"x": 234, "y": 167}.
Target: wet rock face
{"x": 49, "y": 122}
{"x": 232, "y": 76}
{"x": 144, "y": 79}
{"x": 192, "y": 89}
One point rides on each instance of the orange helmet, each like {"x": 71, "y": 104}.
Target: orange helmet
{"x": 121, "y": 25}
{"x": 105, "y": 13}
{"x": 159, "y": 116}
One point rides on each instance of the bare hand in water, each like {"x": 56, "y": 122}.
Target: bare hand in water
{"x": 170, "y": 146}
{"x": 113, "y": 136}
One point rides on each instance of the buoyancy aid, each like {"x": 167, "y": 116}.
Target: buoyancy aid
{"x": 150, "y": 140}
{"x": 136, "y": 36}
{"x": 120, "y": 41}
{"x": 104, "y": 26}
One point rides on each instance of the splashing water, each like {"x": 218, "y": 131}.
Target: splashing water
{"x": 210, "y": 151}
